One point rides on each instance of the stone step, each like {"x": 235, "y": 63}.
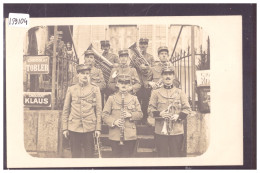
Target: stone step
{"x": 141, "y": 129}
{"x": 144, "y": 141}
{"x": 106, "y": 152}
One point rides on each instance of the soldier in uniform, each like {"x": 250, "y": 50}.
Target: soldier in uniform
{"x": 168, "y": 107}
{"x": 81, "y": 117}
{"x": 163, "y": 54}
{"x": 96, "y": 74}
{"x": 105, "y": 46}
{"x": 124, "y": 68}
{"x": 145, "y": 76}
{"x": 117, "y": 116}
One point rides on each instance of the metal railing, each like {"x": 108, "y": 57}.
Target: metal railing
{"x": 185, "y": 67}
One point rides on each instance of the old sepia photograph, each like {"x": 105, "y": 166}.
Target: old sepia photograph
{"x": 126, "y": 91}
{"x": 116, "y": 91}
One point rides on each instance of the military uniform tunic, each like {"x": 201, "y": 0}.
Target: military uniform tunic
{"x": 111, "y": 57}
{"x": 160, "y": 100}
{"x": 112, "y": 112}
{"x": 127, "y": 71}
{"x": 82, "y": 109}
{"x": 96, "y": 76}
{"x": 157, "y": 74}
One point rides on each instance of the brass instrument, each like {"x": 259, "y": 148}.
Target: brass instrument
{"x": 104, "y": 64}
{"x": 167, "y": 125}
{"x": 158, "y": 84}
{"x": 138, "y": 59}
{"x": 97, "y": 145}
{"x": 122, "y": 117}
{"x": 115, "y": 74}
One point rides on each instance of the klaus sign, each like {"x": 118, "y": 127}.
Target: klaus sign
{"x": 37, "y": 99}
{"x": 37, "y": 64}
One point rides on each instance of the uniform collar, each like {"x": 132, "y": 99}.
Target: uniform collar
{"x": 168, "y": 86}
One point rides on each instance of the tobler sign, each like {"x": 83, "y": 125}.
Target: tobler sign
{"x": 37, "y": 64}
{"x": 37, "y": 99}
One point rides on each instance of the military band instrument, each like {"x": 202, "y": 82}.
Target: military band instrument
{"x": 168, "y": 123}
{"x": 104, "y": 64}
{"x": 157, "y": 84}
{"x": 122, "y": 118}
{"x": 139, "y": 59}
{"x": 115, "y": 74}
{"x": 97, "y": 145}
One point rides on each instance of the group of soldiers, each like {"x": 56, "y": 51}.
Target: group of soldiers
{"x": 150, "y": 94}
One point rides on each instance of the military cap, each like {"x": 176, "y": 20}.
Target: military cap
{"x": 143, "y": 40}
{"x": 168, "y": 68}
{"x": 104, "y": 42}
{"x": 89, "y": 52}
{"x": 123, "y": 52}
{"x": 163, "y": 48}
{"x": 123, "y": 78}
{"x": 82, "y": 67}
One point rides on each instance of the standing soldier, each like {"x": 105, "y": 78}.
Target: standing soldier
{"x": 145, "y": 76}
{"x": 163, "y": 54}
{"x": 169, "y": 107}
{"x": 96, "y": 74}
{"x": 123, "y": 68}
{"x": 119, "y": 113}
{"x": 105, "y": 46}
{"x": 82, "y": 114}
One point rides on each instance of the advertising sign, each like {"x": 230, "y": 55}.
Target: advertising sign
{"x": 203, "y": 78}
{"x": 37, "y": 99}
{"x": 37, "y": 64}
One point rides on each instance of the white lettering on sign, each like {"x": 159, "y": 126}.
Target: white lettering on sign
{"x": 18, "y": 20}
{"x": 37, "y": 67}
{"x": 203, "y": 78}
{"x": 38, "y": 99}
{"x": 37, "y": 64}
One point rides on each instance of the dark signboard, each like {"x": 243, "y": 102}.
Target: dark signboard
{"x": 204, "y": 99}
{"x": 37, "y": 99}
{"x": 37, "y": 64}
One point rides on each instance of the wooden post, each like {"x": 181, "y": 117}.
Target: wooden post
{"x": 53, "y": 88}
{"x": 184, "y": 53}
{"x": 189, "y": 71}
{"x": 193, "y": 67}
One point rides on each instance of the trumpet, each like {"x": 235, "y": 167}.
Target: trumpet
{"x": 97, "y": 145}
{"x": 168, "y": 123}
